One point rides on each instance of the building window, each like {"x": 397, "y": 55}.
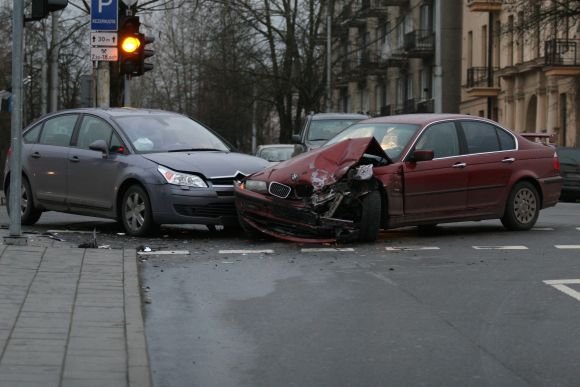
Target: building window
{"x": 510, "y": 51}
{"x": 470, "y": 49}
{"x": 484, "y": 45}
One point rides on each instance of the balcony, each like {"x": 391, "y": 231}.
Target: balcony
{"x": 350, "y": 16}
{"x": 484, "y": 5}
{"x": 562, "y": 57}
{"x": 426, "y": 106}
{"x": 480, "y": 84}
{"x": 420, "y": 43}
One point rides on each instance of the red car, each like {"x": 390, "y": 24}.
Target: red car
{"x": 407, "y": 170}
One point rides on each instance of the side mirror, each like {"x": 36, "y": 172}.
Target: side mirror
{"x": 101, "y": 146}
{"x": 422, "y": 155}
{"x": 296, "y": 138}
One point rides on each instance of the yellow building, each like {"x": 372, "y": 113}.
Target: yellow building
{"x": 524, "y": 75}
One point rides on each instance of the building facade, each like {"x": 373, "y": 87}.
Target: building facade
{"x": 522, "y": 72}
{"x": 396, "y": 56}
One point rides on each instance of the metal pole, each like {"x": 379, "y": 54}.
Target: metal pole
{"x": 16, "y": 128}
{"x": 126, "y": 91}
{"x": 328, "y": 61}
{"x": 103, "y": 85}
{"x": 254, "y": 128}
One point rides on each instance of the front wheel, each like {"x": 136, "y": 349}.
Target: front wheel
{"x": 136, "y": 213}
{"x": 370, "y": 221}
{"x": 523, "y": 207}
{"x": 29, "y": 214}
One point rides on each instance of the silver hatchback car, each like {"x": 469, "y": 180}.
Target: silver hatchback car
{"x": 141, "y": 167}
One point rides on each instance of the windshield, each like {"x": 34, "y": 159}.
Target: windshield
{"x": 276, "y": 153}
{"x": 393, "y": 138}
{"x": 322, "y": 130}
{"x": 165, "y": 133}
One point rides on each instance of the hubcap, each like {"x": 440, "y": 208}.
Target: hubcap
{"x": 525, "y": 205}
{"x": 23, "y": 200}
{"x": 135, "y": 211}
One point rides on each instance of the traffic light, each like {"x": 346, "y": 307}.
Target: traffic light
{"x": 132, "y": 48}
{"x": 41, "y": 8}
{"x": 129, "y": 42}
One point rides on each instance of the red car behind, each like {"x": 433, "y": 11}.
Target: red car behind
{"x": 408, "y": 170}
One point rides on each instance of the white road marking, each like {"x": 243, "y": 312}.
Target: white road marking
{"x": 567, "y": 247}
{"x": 246, "y": 251}
{"x": 411, "y": 248}
{"x": 72, "y": 232}
{"x": 543, "y": 229}
{"x": 321, "y": 249}
{"x": 500, "y": 247}
{"x": 164, "y": 252}
{"x": 562, "y": 285}
{"x": 578, "y": 228}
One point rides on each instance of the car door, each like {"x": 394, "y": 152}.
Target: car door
{"x": 490, "y": 162}
{"x": 46, "y": 162}
{"x": 436, "y": 189}
{"x": 92, "y": 175}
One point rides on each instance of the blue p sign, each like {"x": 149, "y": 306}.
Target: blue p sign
{"x": 104, "y": 15}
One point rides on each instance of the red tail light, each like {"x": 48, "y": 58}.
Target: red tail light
{"x": 556, "y": 163}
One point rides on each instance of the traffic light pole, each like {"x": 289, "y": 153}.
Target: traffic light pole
{"x": 15, "y": 236}
{"x": 126, "y": 91}
{"x": 103, "y": 84}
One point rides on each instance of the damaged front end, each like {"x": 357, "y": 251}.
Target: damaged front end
{"x": 315, "y": 197}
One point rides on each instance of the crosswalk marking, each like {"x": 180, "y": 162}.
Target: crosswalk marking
{"x": 562, "y": 285}
{"x": 411, "y": 248}
{"x": 325, "y": 249}
{"x": 543, "y": 229}
{"x": 266, "y": 251}
{"x": 164, "y": 252}
{"x": 567, "y": 247}
{"x": 500, "y": 247}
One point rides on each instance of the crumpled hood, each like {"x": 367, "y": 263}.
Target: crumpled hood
{"x": 322, "y": 166}
{"x": 209, "y": 163}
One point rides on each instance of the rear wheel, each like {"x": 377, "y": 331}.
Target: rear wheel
{"x": 370, "y": 221}
{"x": 136, "y": 213}
{"x": 523, "y": 207}
{"x": 28, "y": 212}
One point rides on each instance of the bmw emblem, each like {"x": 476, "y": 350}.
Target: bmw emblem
{"x": 294, "y": 177}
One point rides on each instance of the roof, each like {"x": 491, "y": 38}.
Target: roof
{"x": 422, "y": 119}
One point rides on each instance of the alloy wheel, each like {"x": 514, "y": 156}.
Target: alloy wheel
{"x": 135, "y": 211}
{"x": 525, "y": 205}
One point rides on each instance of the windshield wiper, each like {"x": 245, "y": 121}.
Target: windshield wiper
{"x": 196, "y": 150}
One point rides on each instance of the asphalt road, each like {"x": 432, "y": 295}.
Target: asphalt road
{"x": 466, "y": 306}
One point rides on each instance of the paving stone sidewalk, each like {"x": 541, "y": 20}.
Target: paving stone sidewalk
{"x": 70, "y": 317}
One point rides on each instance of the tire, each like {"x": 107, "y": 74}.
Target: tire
{"x": 370, "y": 221}
{"x": 29, "y": 213}
{"x": 523, "y": 207}
{"x": 136, "y": 214}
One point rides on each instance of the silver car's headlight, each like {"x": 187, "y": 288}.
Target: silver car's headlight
{"x": 256, "y": 186}
{"x": 183, "y": 179}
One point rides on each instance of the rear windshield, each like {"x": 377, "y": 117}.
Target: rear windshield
{"x": 322, "y": 130}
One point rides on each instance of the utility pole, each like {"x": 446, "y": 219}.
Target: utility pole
{"x": 15, "y": 236}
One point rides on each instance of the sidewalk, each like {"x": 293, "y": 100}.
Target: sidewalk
{"x": 70, "y": 317}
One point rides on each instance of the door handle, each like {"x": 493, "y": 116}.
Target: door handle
{"x": 459, "y": 165}
{"x": 508, "y": 160}
{"x": 35, "y": 155}
{"x": 74, "y": 159}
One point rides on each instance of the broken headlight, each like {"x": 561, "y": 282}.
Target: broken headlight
{"x": 256, "y": 186}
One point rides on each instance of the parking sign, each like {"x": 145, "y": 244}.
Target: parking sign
{"x": 104, "y": 15}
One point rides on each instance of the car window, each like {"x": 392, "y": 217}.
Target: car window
{"x": 93, "y": 129}
{"x": 326, "y": 129}
{"x": 276, "y": 153}
{"x": 506, "y": 140}
{"x": 117, "y": 145}
{"x": 441, "y": 138}
{"x": 31, "y": 136}
{"x": 569, "y": 156}
{"x": 58, "y": 130}
{"x": 480, "y": 137}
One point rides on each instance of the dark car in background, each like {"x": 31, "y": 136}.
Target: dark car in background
{"x": 570, "y": 170}
{"x": 321, "y": 127}
{"x": 407, "y": 170}
{"x": 141, "y": 167}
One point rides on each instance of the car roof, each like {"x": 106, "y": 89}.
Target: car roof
{"x": 423, "y": 119}
{"x": 339, "y": 116}
{"x": 116, "y": 111}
